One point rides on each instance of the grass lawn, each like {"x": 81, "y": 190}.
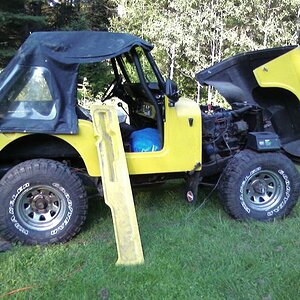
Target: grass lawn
{"x": 190, "y": 253}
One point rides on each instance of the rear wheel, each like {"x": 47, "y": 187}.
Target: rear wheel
{"x": 260, "y": 186}
{"x": 42, "y": 201}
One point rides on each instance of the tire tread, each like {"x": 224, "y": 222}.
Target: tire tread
{"x": 229, "y": 194}
{"x": 51, "y": 168}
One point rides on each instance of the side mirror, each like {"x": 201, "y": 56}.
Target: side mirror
{"x": 171, "y": 92}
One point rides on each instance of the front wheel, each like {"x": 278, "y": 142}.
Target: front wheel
{"x": 42, "y": 201}
{"x": 260, "y": 186}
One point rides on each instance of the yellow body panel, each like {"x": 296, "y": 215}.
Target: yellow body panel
{"x": 182, "y": 143}
{"x": 272, "y": 74}
{"x": 83, "y": 142}
{"x": 116, "y": 184}
{"x": 182, "y": 148}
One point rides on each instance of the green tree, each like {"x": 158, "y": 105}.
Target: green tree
{"x": 20, "y": 17}
{"x": 78, "y": 14}
{"x": 62, "y": 14}
{"x": 17, "y": 19}
{"x": 98, "y": 13}
{"x": 190, "y": 35}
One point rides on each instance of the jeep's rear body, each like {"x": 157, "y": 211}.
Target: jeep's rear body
{"x": 52, "y": 127}
{"x": 172, "y": 158}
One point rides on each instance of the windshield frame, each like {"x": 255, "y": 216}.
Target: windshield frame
{"x": 131, "y": 61}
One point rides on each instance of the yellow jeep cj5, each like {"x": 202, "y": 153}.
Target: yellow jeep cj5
{"x": 48, "y": 141}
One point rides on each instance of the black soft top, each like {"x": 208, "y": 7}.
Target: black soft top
{"x": 75, "y": 47}
{"x": 57, "y": 56}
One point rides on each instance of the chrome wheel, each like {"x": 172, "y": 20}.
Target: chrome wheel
{"x": 263, "y": 190}
{"x": 40, "y": 207}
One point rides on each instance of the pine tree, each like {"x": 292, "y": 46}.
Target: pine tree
{"x": 17, "y": 19}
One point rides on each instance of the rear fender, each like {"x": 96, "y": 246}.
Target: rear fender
{"x": 83, "y": 143}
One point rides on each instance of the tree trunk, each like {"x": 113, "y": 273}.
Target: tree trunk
{"x": 172, "y": 65}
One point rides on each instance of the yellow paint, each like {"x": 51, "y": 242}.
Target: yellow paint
{"x": 116, "y": 184}
{"x": 83, "y": 142}
{"x": 182, "y": 148}
{"x": 182, "y": 143}
{"x": 282, "y": 72}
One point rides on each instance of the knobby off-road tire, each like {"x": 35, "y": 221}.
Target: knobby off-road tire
{"x": 260, "y": 186}
{"x": 42, "y": 201}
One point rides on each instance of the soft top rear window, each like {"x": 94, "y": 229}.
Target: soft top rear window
{"x": 28, "y": 96}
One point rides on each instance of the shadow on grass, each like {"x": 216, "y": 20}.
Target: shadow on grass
{"x": 97, "y": 210}
{"x": 158, "y": 208}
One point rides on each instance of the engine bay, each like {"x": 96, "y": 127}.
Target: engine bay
{"x": 225, "y": 130}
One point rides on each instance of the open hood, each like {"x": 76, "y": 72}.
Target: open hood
{"x": 234, "y": 78}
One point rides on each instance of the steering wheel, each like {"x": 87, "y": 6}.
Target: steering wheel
{"x": 111, "y": 90}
